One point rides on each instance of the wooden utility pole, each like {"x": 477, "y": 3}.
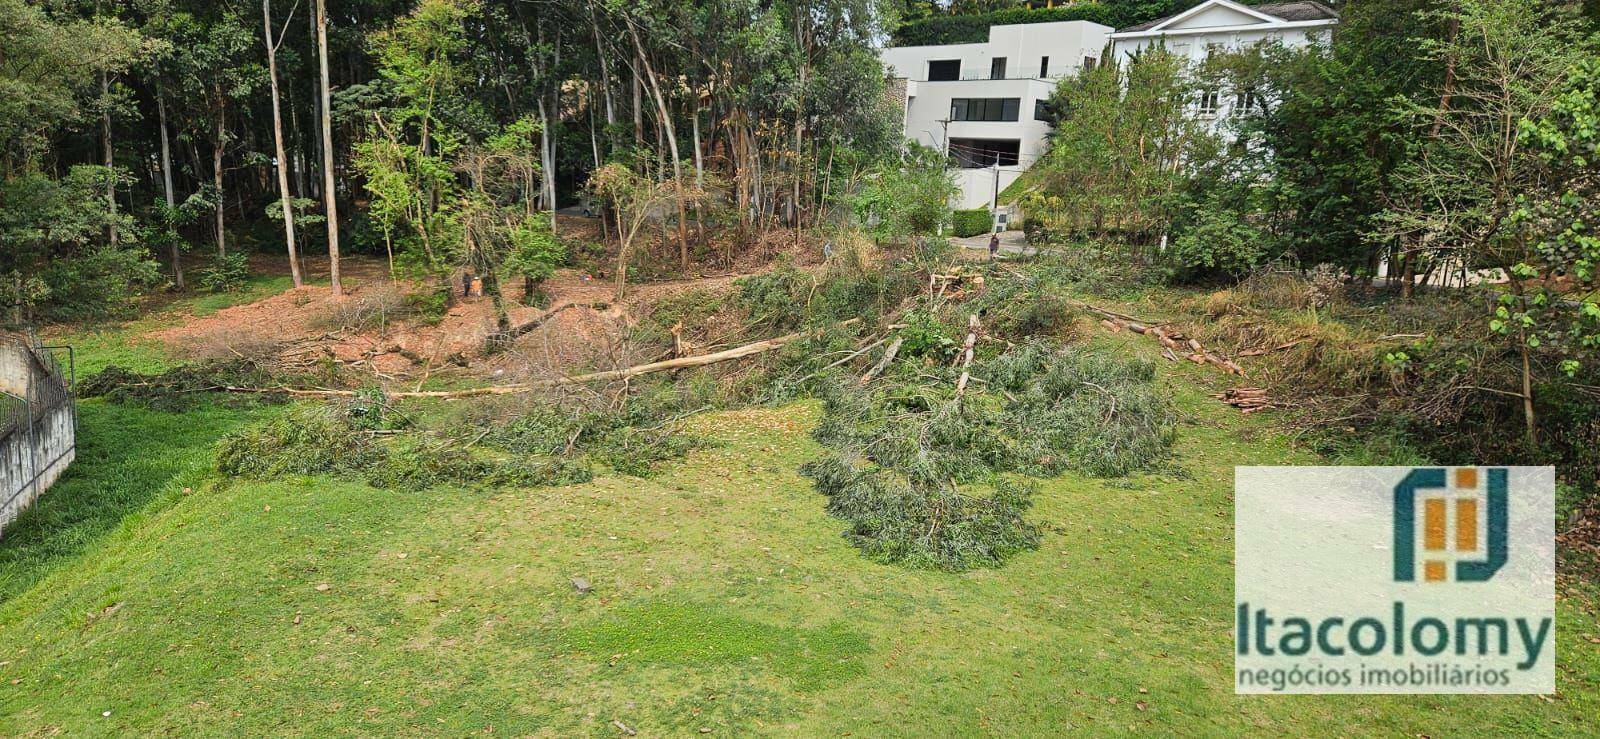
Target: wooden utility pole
{"x": 327, "y": 152}
{"x": 277, "y": 137}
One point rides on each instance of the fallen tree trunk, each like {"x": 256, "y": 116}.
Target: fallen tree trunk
{"x": 888, "y": 358}
{"x": 617, "y": 374}
{"x": 1170, "y": 341}
{"x": 967, "y": 349}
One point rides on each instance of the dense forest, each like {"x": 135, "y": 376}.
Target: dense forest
{"x": 145, "y": 140}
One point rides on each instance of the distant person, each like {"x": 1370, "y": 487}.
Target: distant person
{"x": 994, "y": 246}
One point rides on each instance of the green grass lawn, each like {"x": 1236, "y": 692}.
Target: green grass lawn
{"x": 723, "y": 598}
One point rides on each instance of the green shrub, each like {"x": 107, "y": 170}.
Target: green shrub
{"x": 226, "y": 273}
{"x": 964, "y": 223}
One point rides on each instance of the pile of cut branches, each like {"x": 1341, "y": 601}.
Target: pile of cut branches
{"x": 910, "y": 459}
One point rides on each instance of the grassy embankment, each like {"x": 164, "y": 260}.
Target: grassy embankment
{"x": 723, "y": 598}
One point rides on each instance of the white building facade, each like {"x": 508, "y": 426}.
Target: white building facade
{"x": 982, "y": 103}
{"x": 1223, "y": 25}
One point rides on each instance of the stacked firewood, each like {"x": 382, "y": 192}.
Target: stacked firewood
{"x": 1247, "y": 399}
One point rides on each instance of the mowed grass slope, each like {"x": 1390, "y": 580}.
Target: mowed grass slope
{"x": 723, "y": 598}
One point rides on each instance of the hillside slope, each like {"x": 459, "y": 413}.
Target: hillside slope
{"x": 723, "y": 599}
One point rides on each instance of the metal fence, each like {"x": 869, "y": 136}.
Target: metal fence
{"x": 38, "y": 421}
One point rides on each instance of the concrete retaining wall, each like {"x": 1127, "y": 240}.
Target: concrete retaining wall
{"x": 38, "y": 426}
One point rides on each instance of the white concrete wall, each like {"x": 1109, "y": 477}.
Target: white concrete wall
{"x": 1195, "y": 42}
{"x": 977, "y": 185}
{"x": 1067, "y": 44}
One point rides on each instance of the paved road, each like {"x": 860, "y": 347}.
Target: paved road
{"x": 1011, "y": 242}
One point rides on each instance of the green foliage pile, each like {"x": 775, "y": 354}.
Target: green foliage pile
{"x": 964, "y": 223}
{"x": 179, "y": 388}
{"x": 907, "y": 458}
{"x": 334, "y": 440}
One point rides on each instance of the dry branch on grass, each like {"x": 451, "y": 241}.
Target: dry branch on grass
{"x": 1173, "y": 341}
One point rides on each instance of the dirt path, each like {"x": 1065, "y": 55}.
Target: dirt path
{"x": 307, "y": 326}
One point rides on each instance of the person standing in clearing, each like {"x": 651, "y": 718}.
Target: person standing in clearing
{"x": 994, "y": 246}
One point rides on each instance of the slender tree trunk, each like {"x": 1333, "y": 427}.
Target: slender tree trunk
{"x": 1530, "y": 421}
{"x": 105, "y": 138}
{"x": 218, "y": 141}
{"x": 327, "y": 151}
{"x": 166, "y": 181}
{"x": 672, "y": 146}
{"x": 277, "y": 139}
{"x": 638, "y": 105}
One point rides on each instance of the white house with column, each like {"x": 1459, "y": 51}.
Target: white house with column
{"x": 982, "y": 102}
{"x": 1223, "y": 25}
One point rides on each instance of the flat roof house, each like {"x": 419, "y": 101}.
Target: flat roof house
{"x": 981, "y": 102}
{"x": 1226, "y": 25}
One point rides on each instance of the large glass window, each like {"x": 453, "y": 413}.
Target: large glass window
{"x": 997, "y": 68}
{"x": 984, "y": 109}
{"x": 975, "y": 153}
{"x": 944, "y": 70}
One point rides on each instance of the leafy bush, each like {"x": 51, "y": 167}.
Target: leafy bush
{"x": 226, "y": 273}
{"x": 964, "y": 223}
{"x": 1222, "y": 243}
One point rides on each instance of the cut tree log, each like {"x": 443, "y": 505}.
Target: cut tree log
{"x": 966, "y": 353}
{"x": 738, "y": 352}
{"x": 1247, "y": 399}
{"x": 888, "y": 358}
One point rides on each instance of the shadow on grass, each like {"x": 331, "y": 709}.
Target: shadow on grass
{"x": 131, "y": 462}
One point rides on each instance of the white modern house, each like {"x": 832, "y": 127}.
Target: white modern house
{"x": 981, "y": 102}
{"x": 1223, "y": 25}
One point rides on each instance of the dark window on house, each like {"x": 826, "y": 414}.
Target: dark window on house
{"x": 1249, "y": 102}
{"x": 976, "y": 153}
{"x": 1044, "y": 66}
{"x": 1089, "y": 62}
{"x": 944, "y": 70}
{"x": 1043, "y": 112}
{"x": 997, "y": 68}
{"x": 985, "y": 109}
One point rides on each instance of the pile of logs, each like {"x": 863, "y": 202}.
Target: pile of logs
{"x": 1247, "y": 399}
